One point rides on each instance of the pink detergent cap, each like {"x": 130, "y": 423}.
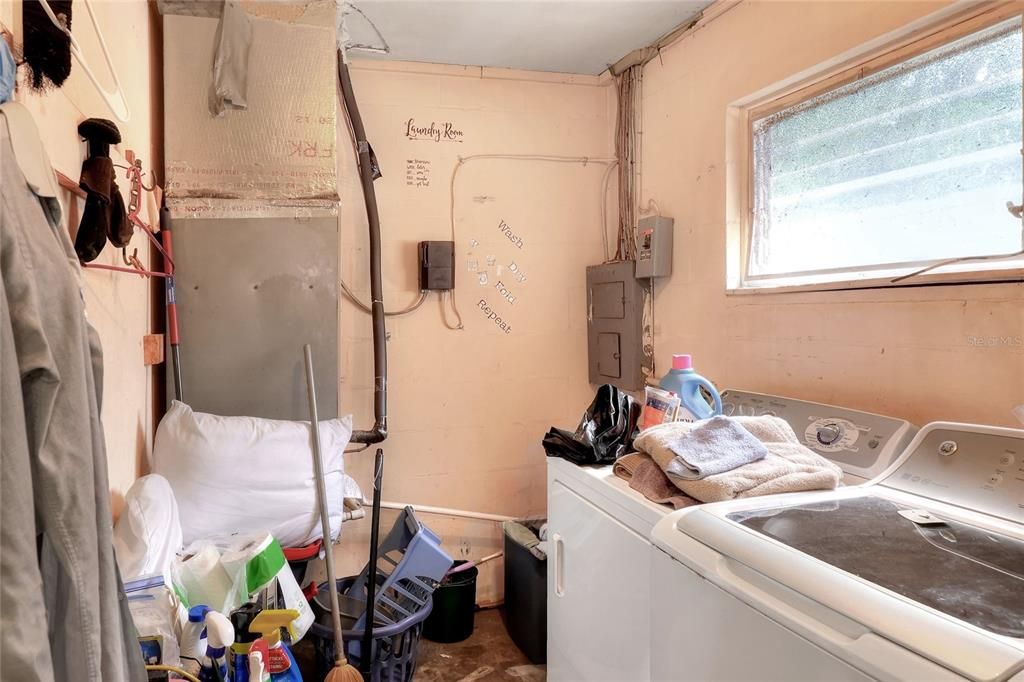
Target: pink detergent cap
{"x": 682, "y": 362}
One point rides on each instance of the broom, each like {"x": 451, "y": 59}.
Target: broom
{"x": 342, "y": 671}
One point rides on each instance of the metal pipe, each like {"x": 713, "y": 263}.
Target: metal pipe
{"x": 368, "y": 172}
{"x": 443, "y": 511}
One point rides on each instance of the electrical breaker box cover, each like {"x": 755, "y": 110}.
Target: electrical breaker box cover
{"x": 437, "y": 266}
{"x": 615, "y": 349}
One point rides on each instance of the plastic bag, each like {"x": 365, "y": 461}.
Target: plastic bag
{"x": 604, "y": 434}
{"x": 156, "y": 613}
{"x": 147, "y": 535}
{"x": 226, "y": 573}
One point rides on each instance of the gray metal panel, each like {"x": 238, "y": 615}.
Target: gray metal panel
{"x": 609, "y": 300}
{"x": 609, "y": 356}
{"x": 654, "y": 251}
{"x": 615, "y": 301}
{"x": 250, "y": 293}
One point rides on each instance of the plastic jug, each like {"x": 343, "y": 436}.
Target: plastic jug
{"x": 686, "y": 384}
{"x": 193, "y": 638}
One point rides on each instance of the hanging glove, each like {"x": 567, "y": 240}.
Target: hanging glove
{"x": 104, "y": 216}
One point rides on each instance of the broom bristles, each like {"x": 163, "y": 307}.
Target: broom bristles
{"x": 344, "y": 672}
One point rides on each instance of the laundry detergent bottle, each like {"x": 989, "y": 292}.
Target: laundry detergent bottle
{"x": 686, "y": 383}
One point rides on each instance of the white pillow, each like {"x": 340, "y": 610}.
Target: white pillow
{"x": 244, "y": 474}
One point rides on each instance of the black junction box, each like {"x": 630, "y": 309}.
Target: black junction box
{"x": 437, "y": 266}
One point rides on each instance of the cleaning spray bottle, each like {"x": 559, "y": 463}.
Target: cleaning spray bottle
{"x": 257, "y": 669}
{"x": 219, "y": 636}
{"x": 687, "y": 384}
{"x": 193, "y": 639}
{"x": 279, "y": 663}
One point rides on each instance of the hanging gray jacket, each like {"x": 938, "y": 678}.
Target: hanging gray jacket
{"x": 57, "y": 362}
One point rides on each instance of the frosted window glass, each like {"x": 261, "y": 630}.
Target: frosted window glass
{"x": 912, "y": 164}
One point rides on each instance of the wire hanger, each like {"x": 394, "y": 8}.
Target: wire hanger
{"x": 134, "y": 174}
{"x": 119, "y": 106}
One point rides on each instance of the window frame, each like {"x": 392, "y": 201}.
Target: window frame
{"x": 918, "y": 37}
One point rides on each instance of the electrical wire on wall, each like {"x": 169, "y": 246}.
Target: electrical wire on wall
{"x": 649, "y": 370}
{"x": 627, "y": 147}
{"x": 447, "y": 295}
{"x": 549, "y": 158}
{"x": 366, "y": 309}
{"x": 604, "y": 209}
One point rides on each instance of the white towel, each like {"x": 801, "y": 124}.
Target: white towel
{"x": 715, "y": 446}
{"x": 788, "y": 467}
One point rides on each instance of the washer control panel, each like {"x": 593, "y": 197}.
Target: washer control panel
{"x": 977, "y": 467}
{"x": 832, "y": 434}
{"x": 862, "y": 443}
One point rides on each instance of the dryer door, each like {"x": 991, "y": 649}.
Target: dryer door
{"x": 598, "y": 593}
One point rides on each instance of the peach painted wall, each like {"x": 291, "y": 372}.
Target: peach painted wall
{"x": 118, "y": 305}
{"x": 914, "y": 352}
{"x": 468, "y": 408}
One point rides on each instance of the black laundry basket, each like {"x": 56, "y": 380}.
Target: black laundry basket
{"x": 526, "y": 588}
{"x": 394, "y": 646}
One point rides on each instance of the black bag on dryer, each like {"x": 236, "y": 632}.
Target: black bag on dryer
{"x": 604, "y": 434}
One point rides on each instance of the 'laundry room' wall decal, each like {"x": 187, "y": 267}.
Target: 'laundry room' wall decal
{"x": 438, "y": 132}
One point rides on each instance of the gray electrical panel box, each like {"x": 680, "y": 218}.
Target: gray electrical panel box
{"x": 615, "y": 301}
{"x": 654, "y": 247}
{"x": 251, "y": 292}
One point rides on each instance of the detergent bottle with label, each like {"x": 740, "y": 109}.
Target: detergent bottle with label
{"x": 193, "y": 639}
{"x": 279, "y": 661}
{"x": 687, "y": 384}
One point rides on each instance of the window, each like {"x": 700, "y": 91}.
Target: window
{"x": 892, "y": 171}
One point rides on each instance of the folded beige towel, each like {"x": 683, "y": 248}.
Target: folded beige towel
{"x": 789, "y": 466}
{"x": 647, "y": 478}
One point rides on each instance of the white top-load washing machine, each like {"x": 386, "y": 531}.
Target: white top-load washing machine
{"x": 598, "y": 580}
{"x": 916, "y": 575}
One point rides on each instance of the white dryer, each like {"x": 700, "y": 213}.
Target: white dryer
{"x": 917, "y": 575}
{"x": 598, "y": 582}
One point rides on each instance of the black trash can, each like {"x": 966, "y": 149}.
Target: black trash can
{"x": 526, "y": 588}
{"x": 451, "y": 619}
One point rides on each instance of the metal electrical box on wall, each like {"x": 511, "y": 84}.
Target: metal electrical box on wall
{"x": 615, "y": 301}
{"x": 437, "y": 266}
{"x": 654, "y": 247}
{"x": 250, "y": 293}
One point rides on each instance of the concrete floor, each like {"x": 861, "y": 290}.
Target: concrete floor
{"x": 488, "y": 655}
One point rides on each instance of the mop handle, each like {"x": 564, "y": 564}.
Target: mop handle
{"x": 371, "y": 567}
{"x": 321, "y": 491}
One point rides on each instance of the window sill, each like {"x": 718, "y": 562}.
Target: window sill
{"x": 1010, "y": 272}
